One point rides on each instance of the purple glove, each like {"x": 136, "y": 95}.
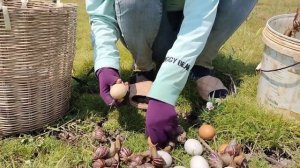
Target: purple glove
{"x": 161, "y": 122}
{"x": 107, "y": 77}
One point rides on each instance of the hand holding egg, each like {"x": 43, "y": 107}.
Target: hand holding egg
{"x": 119, "y": 90}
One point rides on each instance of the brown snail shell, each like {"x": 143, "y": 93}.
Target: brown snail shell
{"x": 124, "y": 153}
{"x": 233, "y": 148}
{"x": 101, "y": 153}
{"x": 99, "y": 163}
{"x": 146, "y": 165}
{"x": 99, "y": 135}
{"x": 158, "y": 162}
{"x": 137, "y": 159}
{"x": 226, "y": 158}
{"x": 112, "y": 162}
{"x": 215, "y": 161}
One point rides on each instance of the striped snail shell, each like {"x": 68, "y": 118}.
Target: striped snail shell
{"x": 111, "y": 162}
{"x": 124, "y": 153}
{"x": 99, "y": 163}
{"x": 99, "y": 135}
{"x": 101, "y": 153}
{"x": 139, "y": 159}
{"x": 158, "y": 162}
{"x": 233, "y": 148}
{"x": 146, "y": 165}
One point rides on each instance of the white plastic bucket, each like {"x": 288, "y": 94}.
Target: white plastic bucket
{"x": 280, "y": 89}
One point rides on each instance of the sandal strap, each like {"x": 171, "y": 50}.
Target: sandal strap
{"x": 140, "y": 76}
{"x": 139, "y": 89}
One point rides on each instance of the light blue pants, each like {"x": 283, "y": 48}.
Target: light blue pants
{"x": 149, "y": 31}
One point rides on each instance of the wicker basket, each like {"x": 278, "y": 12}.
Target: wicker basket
{"x": 37, "y": 48}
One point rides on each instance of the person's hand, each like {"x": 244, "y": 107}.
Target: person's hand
{"x": 161, "y": 122}
{"x": 108, "y": 77}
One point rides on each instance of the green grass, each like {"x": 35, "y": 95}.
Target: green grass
{"x": 237, "y": 117}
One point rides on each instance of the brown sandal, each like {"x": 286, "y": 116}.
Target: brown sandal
{"x": 207, "y": 86}
{"x": 139, "y": 86}
{"x": 138, "y": 94}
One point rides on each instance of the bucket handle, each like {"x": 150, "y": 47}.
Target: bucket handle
{"x": 258, "y": 68}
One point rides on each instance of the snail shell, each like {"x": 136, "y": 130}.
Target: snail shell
{"x": 233, "y": 149}
{"x": 158, "y": 162}
{"x": 112, "y": 162}
{"x": 146, "y": 165}
{"x": 101, "y": 153}
{"x": 215, "y": 160}
{"x": 99, "y": 135}
{"x": 99, "y": 163}
{"x": 226, "y": 158}
{"x": 136, "y": 159}
{"x": 125, "y": 153}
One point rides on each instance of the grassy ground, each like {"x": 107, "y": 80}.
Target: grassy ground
{"x": 238, "y": 117}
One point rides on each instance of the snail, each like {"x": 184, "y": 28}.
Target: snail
{"x": 157, "y": 160}
{"x": 233, "y": 148}
{"x": 240, "y": 160}
{"x": 146, "y": 165}
{"x": 136, "y": 160}
{"x": 215, "y": 161}
{"x": 99, "y": 163}
{"x": 182, "y": 137}
{"x": 101, "y": 152}
{"x": 118, "y": 142}
{"x": 111, "y": 162}
{"x": 99, "y": 134}
{"x": 112, "y": 149}
{"x": 222, "y": 148}
{"x": 125, "y": 153}
{"x": 226, "y": 158}
{"x": 166, "y": 157}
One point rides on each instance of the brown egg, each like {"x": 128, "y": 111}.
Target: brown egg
{"x": 118, "y": 91}
{"x": 222, "y": 148}
{"x": 206, "y": 132}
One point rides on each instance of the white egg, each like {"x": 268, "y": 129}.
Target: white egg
{"x": 166, "y": 156}
{"x": 179, "y": 167}
{"x": 193, "y": 147}
{"x": 198, "y": 162}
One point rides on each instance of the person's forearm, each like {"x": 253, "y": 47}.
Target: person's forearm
{"x": 104, "y": 33}
{"x": 198, "y": 20}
